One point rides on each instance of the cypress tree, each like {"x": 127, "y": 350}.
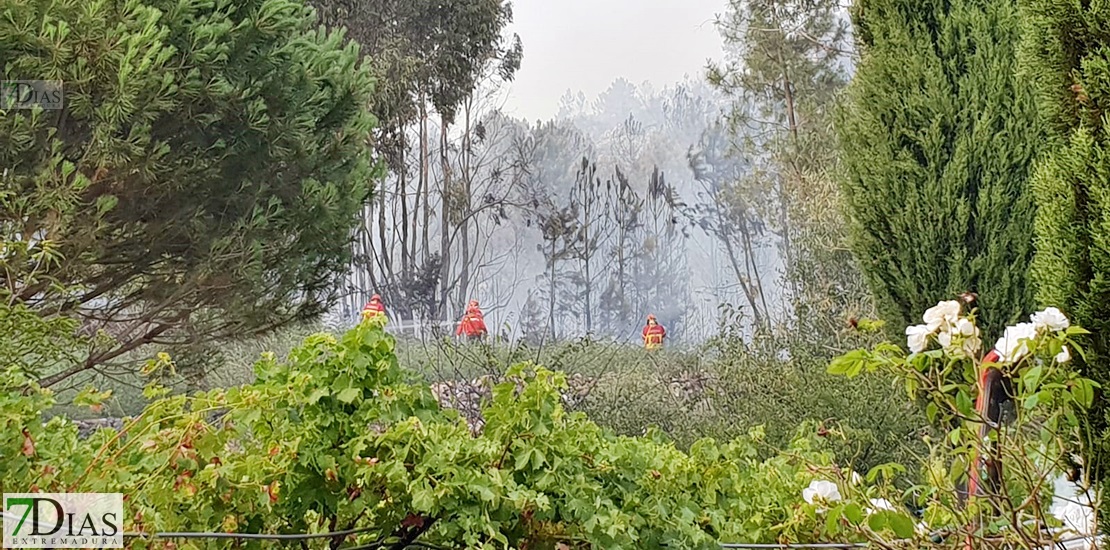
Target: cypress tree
{"x": 937, "y": 139}
{"x": 1065, "y": 56}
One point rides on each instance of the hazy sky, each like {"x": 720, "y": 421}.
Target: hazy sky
{"x": 583, "y": 45}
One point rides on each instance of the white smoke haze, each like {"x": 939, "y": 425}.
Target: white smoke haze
{"x": 613, "y": 206}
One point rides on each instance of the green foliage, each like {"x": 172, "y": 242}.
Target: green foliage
{"x": 336, "y": 438}
{"x": 783, "y": 69}
{"x": 938, "y": 135}
{"x": 202, "y": 178}
{"x": 429, "y": 48}
{"x": 1064, "y": 57}
{"x": 719, "y": 390}
{"x": 30, "y": 342}
{"x": 1033, "y": 444}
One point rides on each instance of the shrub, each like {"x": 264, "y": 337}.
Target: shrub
{"x": 337, "y": 437}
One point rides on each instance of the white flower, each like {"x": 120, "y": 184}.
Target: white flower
{"x": 1064, "y": 356}
{"x": 1051, "y": 319}
{"x": 941, "y": 314}
{"x": 1013, "y": 343}
{"x": 880, "y": 504}
{"x": 820, "y": 489}
{"x": 945, "y": 339}
{"x": 917, "y": 337}
{"x": 972, "y": 345}
{"x": 966, "y": 328}
{"x": 1076, "y": 517}
{"x": 855, "y": 478}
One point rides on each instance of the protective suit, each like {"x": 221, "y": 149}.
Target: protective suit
{"x": 373, "y": 308}
{"x": 472, "y": 325}
{"x": 654, "y": 333}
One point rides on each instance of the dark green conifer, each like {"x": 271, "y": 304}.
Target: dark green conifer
{"x": 938, "y": 136}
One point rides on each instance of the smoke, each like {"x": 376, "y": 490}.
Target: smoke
{"x": 579, "y": 225}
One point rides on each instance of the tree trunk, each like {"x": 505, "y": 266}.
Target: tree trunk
{"x": 383, "y": 237}
{"x": 754, "y": 277}
{"x": 784, "y": 213}
{"x": 445, "y": 221}
{"x": 741, "y": 278}
{"x": 424, "y": 186}
{"x": 402, "y": 194}
{"x": 551, "y": 292}
{"x": 467, "y": 180}
{"x": 587, "y": 254}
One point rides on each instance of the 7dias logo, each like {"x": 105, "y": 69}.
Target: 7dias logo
{"x": 63, "y": 520}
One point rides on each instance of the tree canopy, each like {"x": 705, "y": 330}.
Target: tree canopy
{"x": 1064, "y": 55}
{"x": 202, "y": 178}
{"x": 938, "y": 136}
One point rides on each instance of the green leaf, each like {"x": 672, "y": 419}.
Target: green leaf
{"x": 522, "y": 459}
{"x": 853, "y": 513}
{"x": 422, "y": 498}
{"x": 900, "y": 524}
{"x": 105, "y": 203}
{"x": 1083, "y": 394}
{"x": 832, "y": 521}
{"x": 850, "y": 364}
{"x": 1031, "y": 401}
{"x": 349, "y": 395}
{"x": 877, "y": 522}
{"x": 1032, "y": 377}
{"x": 317, "y": 394}
{"x": 964, "y": 404}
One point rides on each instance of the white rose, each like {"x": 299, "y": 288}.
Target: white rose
{"x": 966, "y": 328}
{"x": 972, "y": 345}
{"x": 917, "y": 337}
{"x": 945, "y": 339}
{"x": 1064, "y": 356}
{"x": 823, "y": 490}
{"x": 880, "y": 504}
{"x": 941, "y": 314}
{"x": 1013, "y": 343}
{"x": 1051, "y": 319}
{"x": 1076, "y": 518}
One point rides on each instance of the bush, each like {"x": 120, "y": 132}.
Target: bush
{"x": 720, "y": 390}
{"x": 1031, "y": 441}
{"x": 336, "y": 437}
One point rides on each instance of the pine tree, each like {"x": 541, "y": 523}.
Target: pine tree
{"x": 1064, "y": 56}
{"x": 201, "y": 179}
{"x": 938, "y": 136}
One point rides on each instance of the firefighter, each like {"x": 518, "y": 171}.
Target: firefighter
{"x": 653, "y": 333}
{"x": 373, "y": 308}
{"x": 473, "y": 326}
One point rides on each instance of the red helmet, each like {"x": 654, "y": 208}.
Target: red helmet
{"x": 375, "y": 298}
{"x": 651, "y": 317}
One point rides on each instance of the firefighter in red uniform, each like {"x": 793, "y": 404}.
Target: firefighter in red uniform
{"x": 373, "y": 308}
{"x": 653, "y": 333}
{"x": 473, "y": 326}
